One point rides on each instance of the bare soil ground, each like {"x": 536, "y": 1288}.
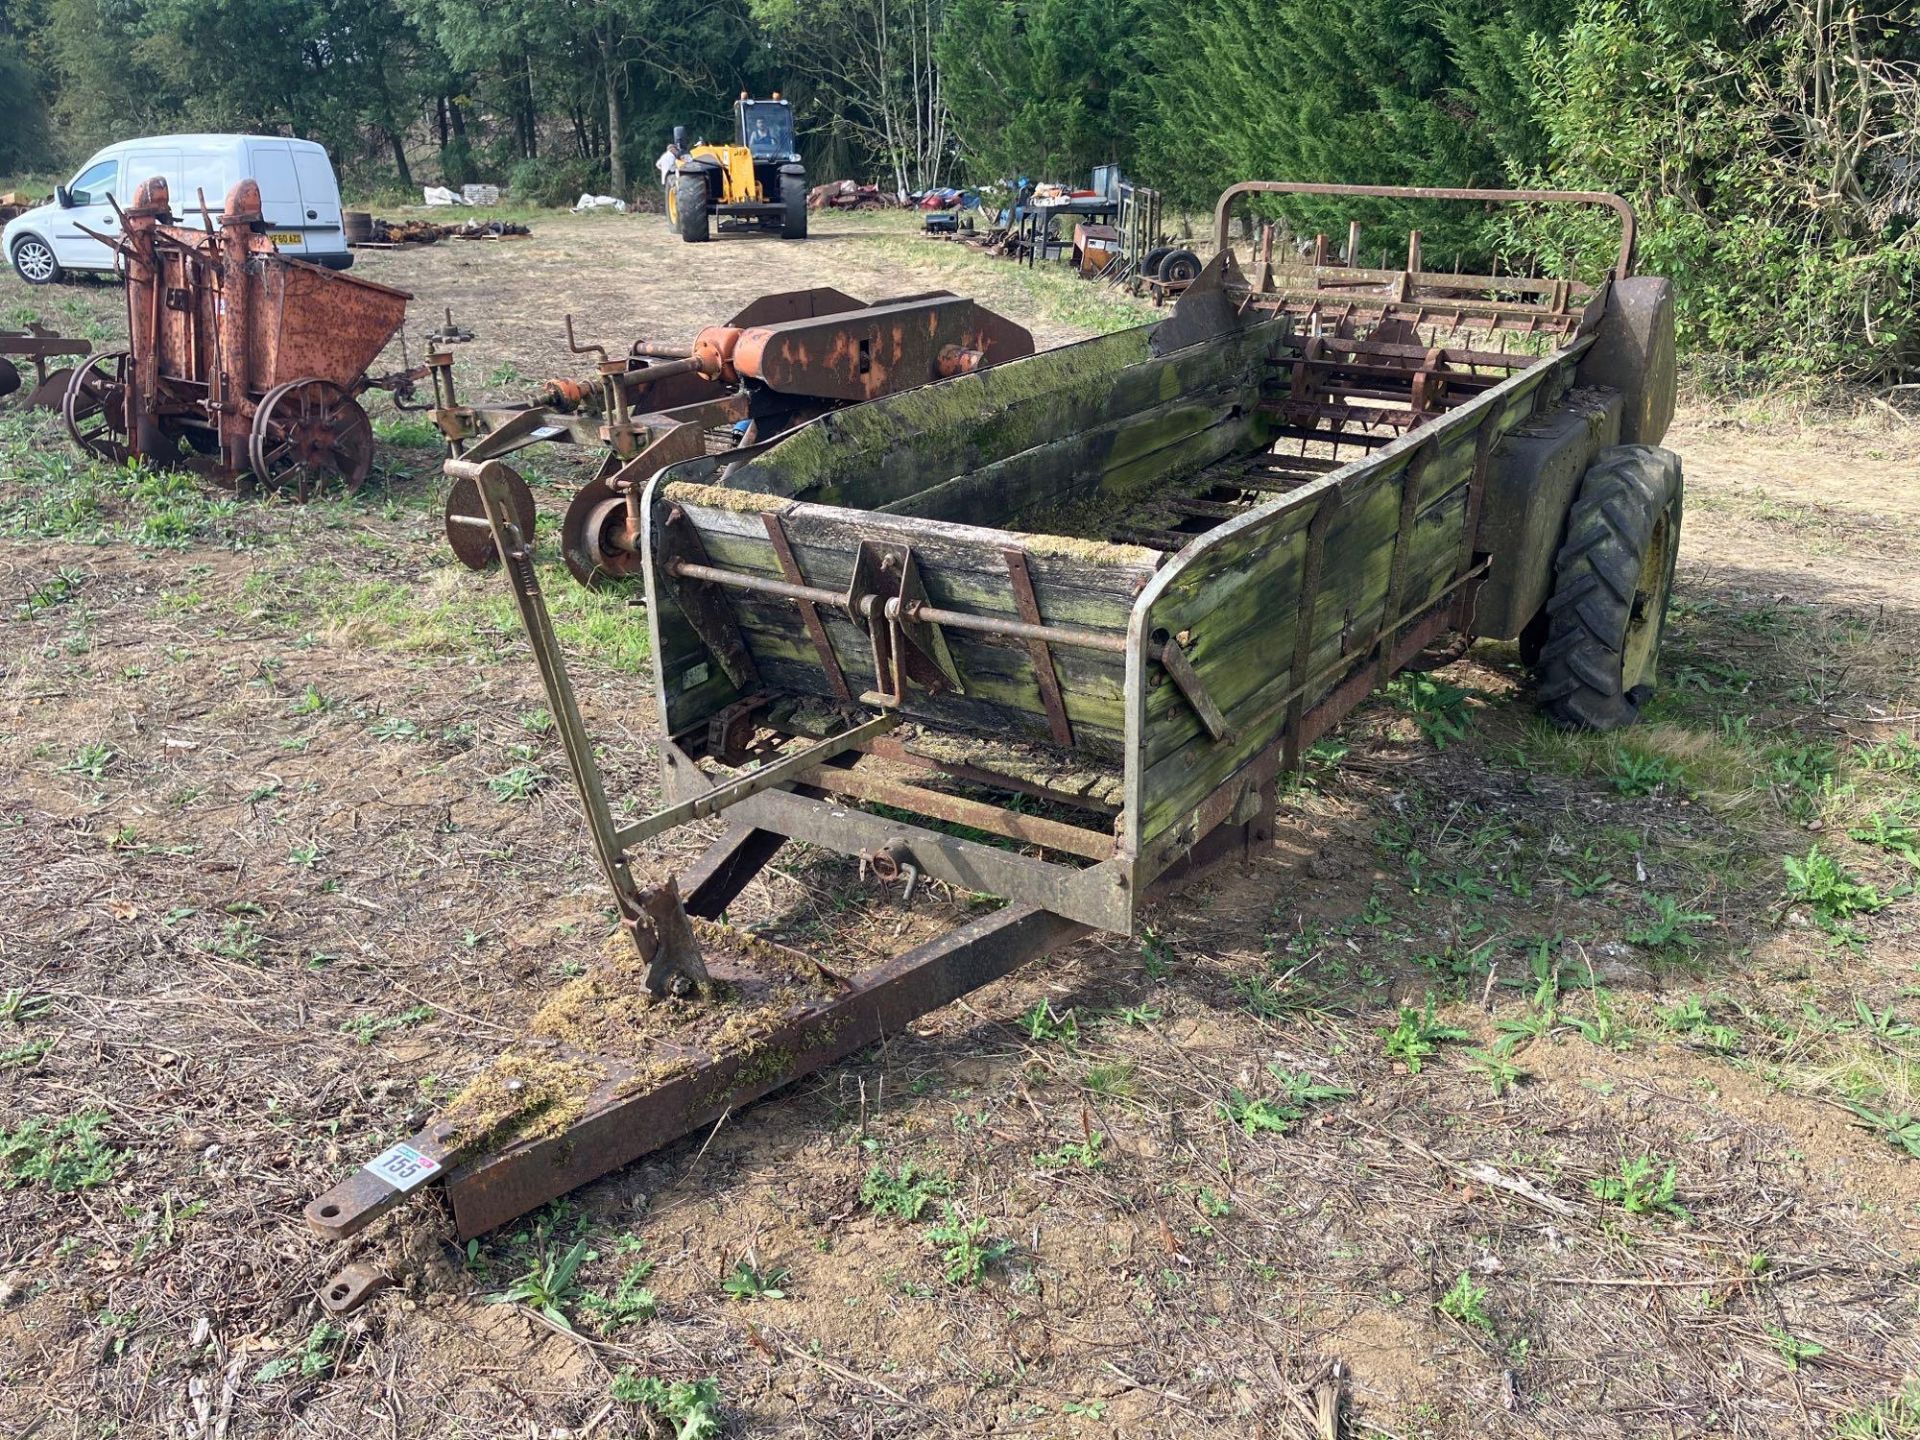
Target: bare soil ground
{"x": 1524, "y": 1078}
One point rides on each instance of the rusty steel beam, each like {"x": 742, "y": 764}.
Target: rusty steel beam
{"x": 782, "y": 771}
{"x": 891, "y": 749}
{"x": 622, "y": 1123}
{"x": 715, "y": 880}
{"x": 626, "y": 1117}
{"x": 958, "y": 810}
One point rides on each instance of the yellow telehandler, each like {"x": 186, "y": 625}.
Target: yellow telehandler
{"x": 758, "y": 179}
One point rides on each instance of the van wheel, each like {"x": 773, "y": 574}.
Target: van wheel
{"x": 33, "y": 258}
{"x": 1611, "y": 584}
{"x": 690, "y": 201}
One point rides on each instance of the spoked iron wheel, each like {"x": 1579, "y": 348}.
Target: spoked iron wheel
{"x": 310, "y": 435}
{"x": 95, "y": 406}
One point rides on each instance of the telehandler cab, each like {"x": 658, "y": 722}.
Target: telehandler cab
{"x": 758, "y": 178}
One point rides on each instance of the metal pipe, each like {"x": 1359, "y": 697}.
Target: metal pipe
{"x": 758, "y": 584}
{"x": 894, "y": 609}
{"x": 1011, "y": 629}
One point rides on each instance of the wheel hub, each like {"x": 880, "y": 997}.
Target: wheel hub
{"x": 1640, "y": 651}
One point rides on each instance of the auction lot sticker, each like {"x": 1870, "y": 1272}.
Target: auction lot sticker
{"x": 403, "y": 1167}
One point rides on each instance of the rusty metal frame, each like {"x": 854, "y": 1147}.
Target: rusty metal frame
{"x": 783, "y": 771}
{"x": 1096, "y": 895}
{"x": 958, "y": 810}
{"x": 1623, "y": 264}
{"x": 626, "y": 1117}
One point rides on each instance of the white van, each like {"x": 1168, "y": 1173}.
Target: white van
{"x": 300, "y": 199}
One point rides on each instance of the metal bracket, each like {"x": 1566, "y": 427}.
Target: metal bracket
{"x": 887, "y": 596}
{"x": 664, "y": 938}
{"x": 1039, "y": 651}
{"x": 874, "y": 575}
{"x": 924, "y": 651}
{"x": 706, "y": 606}
{"x": 352, "y": 1287}
{"x": 809, "y": 612}
{"x": 1187, "y": 680}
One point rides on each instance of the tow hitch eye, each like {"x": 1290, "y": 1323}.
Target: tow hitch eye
{"x": 888, "y": 864}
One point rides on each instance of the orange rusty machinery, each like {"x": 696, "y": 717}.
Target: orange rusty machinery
{"x": 783, "y": 361}
{"x": 249, "y": 360}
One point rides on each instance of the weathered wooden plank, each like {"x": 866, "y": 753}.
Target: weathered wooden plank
{"x": 688, "y": 682}
{"x": 872, "y": 455}
{"x": 1077, "y": 582}
{"x": 993, "y": 672}
{"x": 1180, "y": 767}
{"x": 1179, "y": 461}
{"x": 971, "y": 714}
{"x": 1117, "y": 460}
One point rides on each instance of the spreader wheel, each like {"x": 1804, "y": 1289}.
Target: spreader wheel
{"x": 1612, "y": 580}
{"x": 473, "y": 544}
{"x": 597, "y": 514}
{"x": 308, "y": 435}
{"x": 95, "y": 406}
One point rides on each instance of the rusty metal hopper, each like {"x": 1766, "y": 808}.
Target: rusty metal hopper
{"x": 310, "y": 321}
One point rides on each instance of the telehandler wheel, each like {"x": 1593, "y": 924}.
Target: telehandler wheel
{"x": 793, "y": 207}
{"x": 690, "y": 203}
{"x": 1612, "y": 580}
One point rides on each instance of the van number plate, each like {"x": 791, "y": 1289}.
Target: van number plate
{"x": 285, "y": 239}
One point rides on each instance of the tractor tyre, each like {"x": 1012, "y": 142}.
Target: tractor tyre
{"x": 793, "y": 207}
{"x": 1612, "y": 581}
{"x": 690, "y": 201}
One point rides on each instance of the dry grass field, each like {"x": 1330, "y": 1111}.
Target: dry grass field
{"x": 1545, "y": 1084}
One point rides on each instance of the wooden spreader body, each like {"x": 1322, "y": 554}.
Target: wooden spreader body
{"x": 1181, "y": 552}
{"x": 1052, "y": 630}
